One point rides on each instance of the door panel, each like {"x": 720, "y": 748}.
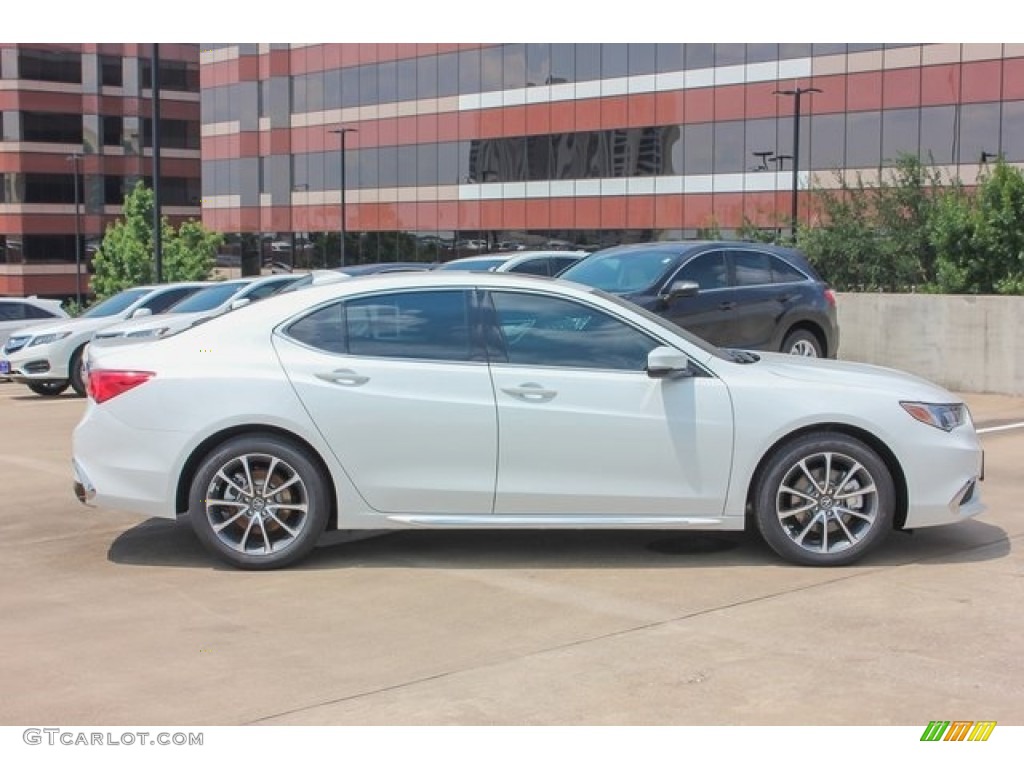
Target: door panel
{"x": 609, "y": 442}
{"x": 711, "y": 313}
{"x": 583, "y": 430}
{"x": 759, "y": 303}
{"x": 415, "y": 435}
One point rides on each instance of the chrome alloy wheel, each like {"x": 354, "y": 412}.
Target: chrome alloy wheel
{"x": 803, "y": 348}
{"x": 257, "y": 504}
{"x": 827, "y": 502}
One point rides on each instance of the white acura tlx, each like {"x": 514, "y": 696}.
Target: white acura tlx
{"x": 480, "y": 400}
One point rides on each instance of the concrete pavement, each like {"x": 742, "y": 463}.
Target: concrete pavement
{"x": 109, "y": 618}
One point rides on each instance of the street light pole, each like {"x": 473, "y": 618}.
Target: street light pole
{"x": 341, "y": 132}
{"x": 154, "y": 71}
{"x": 796, "y": 93}
{"x": 76, "y": 158}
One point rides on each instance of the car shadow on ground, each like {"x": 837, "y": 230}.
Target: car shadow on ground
{"x": 169, "y": 543}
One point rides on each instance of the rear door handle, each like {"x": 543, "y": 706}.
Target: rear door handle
{"x": 344, "y": 376}
{"x": 531, "y": 392}
{"x": 727, "y": 305}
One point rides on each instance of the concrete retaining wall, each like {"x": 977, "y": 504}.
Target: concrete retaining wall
{"x": 964, "y": 343}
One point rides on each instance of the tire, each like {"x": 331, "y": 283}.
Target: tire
{"x": 803, "y": 343}
{"x": 259, "y": 530}
{"x": 824, "y": 499}
{"x": 48, "y": 388}
{"x": 76, "y": 373}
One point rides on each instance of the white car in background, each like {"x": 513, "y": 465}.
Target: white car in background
{"x": 17, "y": 313}
{"x": 48, "y": 358}
{"x": 213, "y": 300}
{"x": 543, "y": 263}
{"x": 472, "y": 400}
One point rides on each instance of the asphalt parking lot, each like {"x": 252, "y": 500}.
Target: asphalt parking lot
{"x": 113, "y": 619}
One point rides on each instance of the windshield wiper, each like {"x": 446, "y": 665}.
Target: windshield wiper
{"x": 743, "y": 356}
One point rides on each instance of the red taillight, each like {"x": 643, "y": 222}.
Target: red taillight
{"x": 104, "y": 385}
{"x": 830, "y": 297}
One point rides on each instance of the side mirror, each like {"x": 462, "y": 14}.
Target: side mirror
{"x": 680, "y": 289}
{"x": 667, "y": 363}
{"x": 142, "y": 312}
{"x": 239, "y": 303}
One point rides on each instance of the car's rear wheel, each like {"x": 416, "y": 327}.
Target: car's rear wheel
{"x": 76, "y": 370}
{"x": 803, "y": 343}
{"x": 48, "y": 388}
{"x": 259, "y": 502}
{"x": 824, "y": 499}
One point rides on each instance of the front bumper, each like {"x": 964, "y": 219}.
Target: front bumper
{"x": 944, "y": 484}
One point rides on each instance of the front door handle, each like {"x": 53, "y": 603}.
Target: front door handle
{"x": 531, "y": 392}
{"x": 725, "y": 305}
{"x": 344, "y": 376}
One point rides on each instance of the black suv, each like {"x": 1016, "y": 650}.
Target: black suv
{"x": 733, "y": 294}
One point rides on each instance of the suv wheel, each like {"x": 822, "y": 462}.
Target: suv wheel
{"x": 803, "y": 343}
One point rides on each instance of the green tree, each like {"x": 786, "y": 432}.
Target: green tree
{"x": 979, "y": 239}
{"x": 125, "y": 258}
{"x": 190, "y": 253}
{"x": 878, "y": 236}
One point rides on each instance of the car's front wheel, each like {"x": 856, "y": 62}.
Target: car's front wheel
{"x": 48, "y": 388}
{"x": 824, "y": 499}
{"x": 259, "y": 502}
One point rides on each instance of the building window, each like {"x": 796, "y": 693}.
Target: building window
{"x": 113, "y": 131}
{"x": 174, "y": 75}
{"x": 111, "y": 71}
{"x": 48, "y": 249}
{"x": 51, "y": 127}
{"x": 51, "y": 66}
{"x": 113, "y": 190}
{"x": 50, "y": 188}
{"x": 174, "y": 134}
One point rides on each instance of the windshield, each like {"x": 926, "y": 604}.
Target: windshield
{"x": 207, "y": 298}
{"x": 621, "y": 271}
{"x": 474, "y": 265}
{"x": 117, "y": 303}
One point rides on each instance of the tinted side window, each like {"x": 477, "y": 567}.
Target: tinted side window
{"x": 752, "y": 268}
{"x": 267, "y": 289}
{"x": 785, "y": 273}
{"x": 532, "y": 267}
{"x": 708, "y": 270}
{"x": 32, "y": 312}
{"x": 161, "y": 302}
{"x": 561, "y": 263}
{"x": 550, "y": 331}
{"x": 432, "y": 325}
{"x": 10, "y": 310}
{"x": 323, "y": 329}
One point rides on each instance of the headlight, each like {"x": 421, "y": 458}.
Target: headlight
{"x": 149, "y": 333}
{"x": 945, "y": 416}
{"x": 48, "y": 338}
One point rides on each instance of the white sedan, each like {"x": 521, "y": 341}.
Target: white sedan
{"x": 480, "y": 400}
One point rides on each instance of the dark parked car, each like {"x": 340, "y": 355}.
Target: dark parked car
{"x": 733, "y": 294}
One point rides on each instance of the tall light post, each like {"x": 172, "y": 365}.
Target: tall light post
{"x": 158, "y": 247}
{"x": 796, "y": 93}
{"x": 76, "y": 158}
{"x": 341, "y": 132}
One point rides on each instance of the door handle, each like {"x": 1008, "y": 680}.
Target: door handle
{"x": 783, "y": 298}
{"x": 530, "y": 392}
{"x": 344, "y": 376}
{"x": 727, "y": 305}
